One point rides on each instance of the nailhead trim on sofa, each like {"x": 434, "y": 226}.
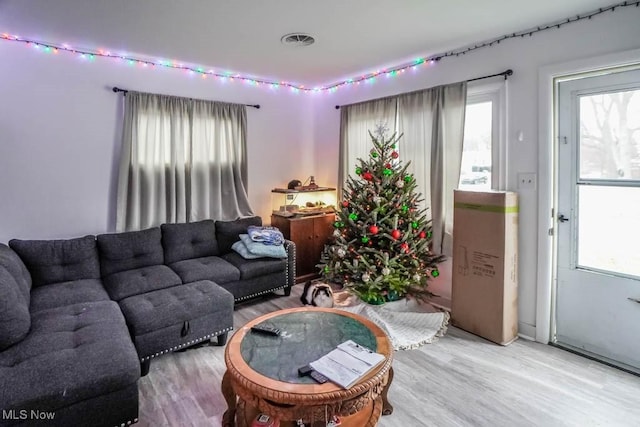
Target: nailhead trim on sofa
{"x": 128, "y": 423}
{"x": 187, "y": 344}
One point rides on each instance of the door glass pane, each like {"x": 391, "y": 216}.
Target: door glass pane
{"x": 475, "y": 172}
{"x": 610, "y": 135}
{"x": 609, "y": 228}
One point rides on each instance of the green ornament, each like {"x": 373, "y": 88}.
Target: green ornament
{"x": 338, "y": 224}
{"x": 365, "y": 239}
{"x": 353, "y": 216}
{"x": 326, "y": 268}
{"x": 358, "y": 171}
{"x": 405, "y": 208}
{"x": 414, "y": 224}
{"x": 393, "y": 146}
{"x": 429, "y": 234}
{"x": 435, "y": 273}
{"x": 387, "y": 172}
{"x": 374, "y": 154}
{"x": 407, "y": 178}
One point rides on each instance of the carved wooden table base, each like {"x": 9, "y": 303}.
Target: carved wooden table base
{"x": 247, "y": 392}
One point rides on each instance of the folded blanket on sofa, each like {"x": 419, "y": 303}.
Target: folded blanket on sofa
{"x": 249, "y": 249}
{"x": 266, "y": 235}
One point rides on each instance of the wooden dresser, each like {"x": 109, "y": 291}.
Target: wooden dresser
{"x": 310, "y": 234}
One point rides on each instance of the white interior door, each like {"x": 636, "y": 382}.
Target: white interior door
{"x": 598, "y": 213}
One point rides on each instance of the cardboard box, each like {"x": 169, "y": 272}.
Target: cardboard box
{"x": 484, "y": 292}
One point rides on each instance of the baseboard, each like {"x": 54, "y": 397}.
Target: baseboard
{"x": 441, "y": 303}
{"x": 526, "y": 331}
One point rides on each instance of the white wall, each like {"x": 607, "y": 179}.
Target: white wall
{"x": 60, "y": 138}
{"x": 603, "y": 34}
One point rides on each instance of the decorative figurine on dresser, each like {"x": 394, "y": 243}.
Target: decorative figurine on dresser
{"x": 305, "y": 215}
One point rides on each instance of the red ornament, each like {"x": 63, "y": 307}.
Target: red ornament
{"x": 373, "y": 229}
{"x": 367, "y": 176}
{"x": 422, "y": 235}
{"x": 404, "y": 247}
{"x": 345, "y": 203}
{"x": 396, "y": 234}
{"x": 394, "y": 154}
{"x": 388, "y": 166}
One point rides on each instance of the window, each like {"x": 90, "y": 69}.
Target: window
{"x": 481, "y": 150}
{"x": 182, "y": 160}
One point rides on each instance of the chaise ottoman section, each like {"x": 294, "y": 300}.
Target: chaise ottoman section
{"x": 78, "y": 354}
{"x": 181, "y": 316}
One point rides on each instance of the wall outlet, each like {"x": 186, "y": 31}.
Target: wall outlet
{"x": 527, "y": 181}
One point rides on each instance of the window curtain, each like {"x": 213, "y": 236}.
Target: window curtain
{"x": 182, "y": 160}
{"x": 356, "y": 121}
{"x": 432, "y": 124}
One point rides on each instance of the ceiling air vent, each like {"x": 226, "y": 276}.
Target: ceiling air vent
{"x": 297, "y": 39}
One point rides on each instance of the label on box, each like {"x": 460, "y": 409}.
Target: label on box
{"x": 483, "y": 264}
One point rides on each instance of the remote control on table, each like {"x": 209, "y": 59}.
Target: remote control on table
{"x": 305, "y": 370}
{"x": 318, "y": 377}
{"x": 265, "y": 329}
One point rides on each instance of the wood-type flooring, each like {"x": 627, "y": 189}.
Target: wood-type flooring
{"x": 461, "y": 380}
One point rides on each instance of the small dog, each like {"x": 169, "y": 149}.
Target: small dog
{"x": 317, "y": 294}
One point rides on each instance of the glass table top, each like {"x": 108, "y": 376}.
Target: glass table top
{"x": 304, "y": 337}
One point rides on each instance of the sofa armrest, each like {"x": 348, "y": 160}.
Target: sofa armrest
{"x": 290, "y": 247}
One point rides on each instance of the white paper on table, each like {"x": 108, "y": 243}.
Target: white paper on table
{"x": 347, "y": 364}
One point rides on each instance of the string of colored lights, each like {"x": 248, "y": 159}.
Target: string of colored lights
{"x": 368, "y": 77}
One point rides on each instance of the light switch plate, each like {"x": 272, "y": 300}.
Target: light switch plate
{"x": 526, "y": 181}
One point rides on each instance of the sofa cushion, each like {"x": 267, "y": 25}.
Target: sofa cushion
{"x": 211, "y": 268}
{"x": 250, "y": 269}
{"x": 156, "y": 310}
{"x": 228, "y": 232}
{"x": 188, "y": 241}
{"x": 15, "y": 319}
{"x": 130, "y": 250}
{"x": 72, "y": 354}
{"x": 14, "y": 265}
{"x": 54, "y": 261}
{"x": 140, "y": 280}
{"x": 67, "y": 293}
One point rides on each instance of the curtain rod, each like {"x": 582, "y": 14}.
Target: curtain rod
{"x": 124, "y": 91}
{"x": 505, "y": 73}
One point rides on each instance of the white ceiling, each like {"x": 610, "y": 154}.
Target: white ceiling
{"x": 243, "y": 36}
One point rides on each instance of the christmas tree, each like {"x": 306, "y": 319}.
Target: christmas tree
{"x": 380, "y": 249}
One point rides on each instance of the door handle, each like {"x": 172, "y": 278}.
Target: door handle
{"x": 562, "y": 218}
{"x": 634, "y": 299}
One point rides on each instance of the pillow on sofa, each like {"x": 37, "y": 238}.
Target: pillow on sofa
{"x": 262, "y": 249}
{"x": 228, "y": 232}
{"x": 243, "y": 251}
{"x": 189, "y": 241}
{"x": 54, "y": 261}
{"x": 15, "y": 319}
{"x": 130, "y": 250}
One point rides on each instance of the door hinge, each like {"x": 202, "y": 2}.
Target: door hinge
{"x": 563, "y": 139}
{"x": 551, "y": 231}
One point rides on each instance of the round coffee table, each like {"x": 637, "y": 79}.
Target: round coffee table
{"x": 262, "y": 370}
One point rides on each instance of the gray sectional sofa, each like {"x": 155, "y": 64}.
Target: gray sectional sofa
{"x": 81, "y": 319}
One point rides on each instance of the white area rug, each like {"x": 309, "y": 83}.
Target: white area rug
{"x": 408, "y": 324}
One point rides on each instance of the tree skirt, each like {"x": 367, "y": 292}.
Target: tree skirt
{"x": 409, "y": 324}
